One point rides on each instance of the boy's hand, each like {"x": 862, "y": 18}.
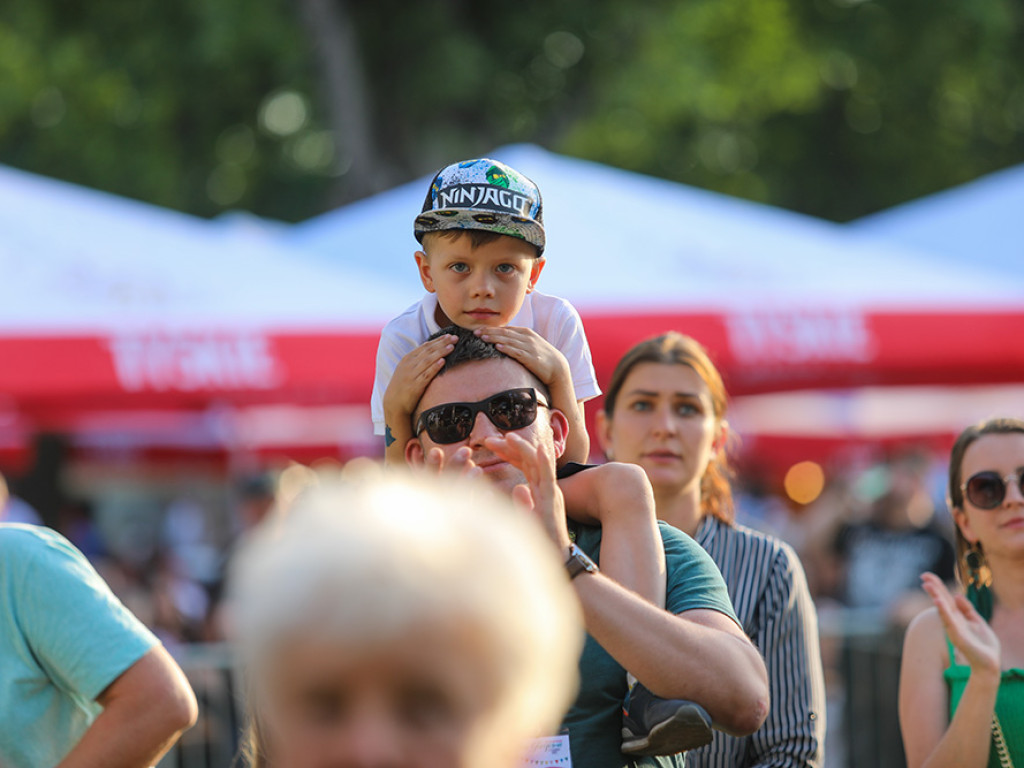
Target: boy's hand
{"x": 528, "y": 347}
{"x": 413, "y": 373}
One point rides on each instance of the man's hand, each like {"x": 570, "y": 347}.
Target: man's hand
{"x": 461, "y": 462}
{"x": 527, "y": 347}
{"x": 540, "y": 493}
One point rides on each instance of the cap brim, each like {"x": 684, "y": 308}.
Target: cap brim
{"x": 488, "y": 221}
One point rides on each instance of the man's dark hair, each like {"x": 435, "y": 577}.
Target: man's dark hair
{"x": 468, "y": 348}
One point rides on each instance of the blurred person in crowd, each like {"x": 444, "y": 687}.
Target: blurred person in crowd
{"x": 883, "y": 556}
{"x": 76, "y": 521}
{"x": 487, "y": 414}
{"x": 396, "y": 621}
{"x": 962, "y": 680}
{"x": 821, "y": 520}
{"x": 13, "y": 509}
{"x": 255, "y": 498}
{"x": 82, "y": 681}
{"x": 665, "y": 410}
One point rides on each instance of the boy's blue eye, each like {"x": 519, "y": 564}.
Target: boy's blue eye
{"x": 459, "y": 267}
{"x": 506, "y": 269}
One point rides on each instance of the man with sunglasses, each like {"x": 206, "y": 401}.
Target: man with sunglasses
{"x": 486, "y": 414}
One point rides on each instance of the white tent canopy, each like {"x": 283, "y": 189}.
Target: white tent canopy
{"x": 109, "y": 304}
{"x": 77, "y": 260}
{"x": 784, "y": 301}
{"x": 620, "y": 239}
{"x": 980, "y": 224}
{"x": 127, "y": 322}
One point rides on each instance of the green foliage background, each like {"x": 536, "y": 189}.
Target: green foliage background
{"x": 832, "y": 107}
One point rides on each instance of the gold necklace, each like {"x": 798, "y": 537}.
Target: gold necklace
{"x": 1001, "y": 750}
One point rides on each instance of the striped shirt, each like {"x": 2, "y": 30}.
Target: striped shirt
{"x": 769, "y": 591}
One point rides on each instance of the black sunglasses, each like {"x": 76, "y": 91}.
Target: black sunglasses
{"x": 986, "y": 490}
{"x": 453, "y": 422}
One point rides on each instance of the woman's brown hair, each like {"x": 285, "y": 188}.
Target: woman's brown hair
{"x": 673, "y": 348}
{"x": 1000, "y": 426}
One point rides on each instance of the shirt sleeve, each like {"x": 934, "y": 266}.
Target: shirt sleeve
{"x": 81, "y": 634}
{"x": 571, "y": 340}
{"x": 694, "y": 581}
{"x": 392, "y": 348}
{"x": 787, "y": 634}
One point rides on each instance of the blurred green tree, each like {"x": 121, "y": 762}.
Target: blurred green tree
{"x": 833, "y": 107}
{"x": 194, "y": 105}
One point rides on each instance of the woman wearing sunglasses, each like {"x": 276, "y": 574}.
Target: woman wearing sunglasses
{"x": 962, "y": 677}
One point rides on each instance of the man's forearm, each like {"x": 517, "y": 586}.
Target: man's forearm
{"x": 145, "y": 710}
{"x": 695, "y": 656}
{"x": 121, "y": 740}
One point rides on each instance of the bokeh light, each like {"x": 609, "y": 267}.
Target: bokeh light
{"x": 804, "y": 482}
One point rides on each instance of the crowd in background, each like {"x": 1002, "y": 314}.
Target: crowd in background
{"x": 168, "y": 565}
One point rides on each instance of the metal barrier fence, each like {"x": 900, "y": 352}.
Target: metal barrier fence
{"x": 214, "y": 740}
{"x": 864, "y": 714}
{"x": 862, "y": 674}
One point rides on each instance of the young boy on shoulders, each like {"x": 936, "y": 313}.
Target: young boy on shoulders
{"x": 483, "y": 241}
{"x": 483, "y": 251}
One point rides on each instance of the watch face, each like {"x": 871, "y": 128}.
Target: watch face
{"x": 578, "y": 562}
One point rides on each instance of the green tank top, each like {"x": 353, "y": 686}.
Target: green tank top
{"x": 1009, "y": 706}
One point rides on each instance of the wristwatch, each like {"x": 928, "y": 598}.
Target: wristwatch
{"x": 578, "y": 562}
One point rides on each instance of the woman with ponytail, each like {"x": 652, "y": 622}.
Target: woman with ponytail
{"x": 665, "y": 411}
{"x": 962, "y": 675}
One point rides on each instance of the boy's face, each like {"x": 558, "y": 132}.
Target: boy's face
{"x": 481, "y": 287}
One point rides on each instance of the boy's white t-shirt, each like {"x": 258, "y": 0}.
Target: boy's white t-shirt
{"x": 553, "y": 318}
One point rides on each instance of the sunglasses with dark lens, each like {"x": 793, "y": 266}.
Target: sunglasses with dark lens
{"x": 986, "y": 490}
{"x": 453, "y": 422}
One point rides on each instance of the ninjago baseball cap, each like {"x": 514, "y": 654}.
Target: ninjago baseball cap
{"x": 483, "y": 194}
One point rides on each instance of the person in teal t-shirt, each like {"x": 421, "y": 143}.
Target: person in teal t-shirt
{"x": 82, "y": 681}
{"x": 694, "y": 582}
{"x": 695, "y": 650}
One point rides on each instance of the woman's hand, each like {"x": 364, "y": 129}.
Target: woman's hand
{"x": 966, "y": 629}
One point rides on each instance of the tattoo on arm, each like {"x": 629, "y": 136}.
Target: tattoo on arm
{"x": 388, "y": 437}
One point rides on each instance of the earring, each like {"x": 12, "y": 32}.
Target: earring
{"x": 979, "y": 577}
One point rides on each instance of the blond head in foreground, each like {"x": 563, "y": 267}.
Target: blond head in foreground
{"x": 387, "y": 620}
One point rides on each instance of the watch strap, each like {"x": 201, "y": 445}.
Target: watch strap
{"x": 578, "y": 562}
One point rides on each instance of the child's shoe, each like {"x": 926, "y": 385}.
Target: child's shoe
{"x": 656, "y": 726}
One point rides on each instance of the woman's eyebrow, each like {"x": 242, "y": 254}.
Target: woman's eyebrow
{"x": 651, "y": 393}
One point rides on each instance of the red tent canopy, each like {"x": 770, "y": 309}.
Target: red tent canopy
{"x": 759, "y": 352}
{"x": 123, "y": 307}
